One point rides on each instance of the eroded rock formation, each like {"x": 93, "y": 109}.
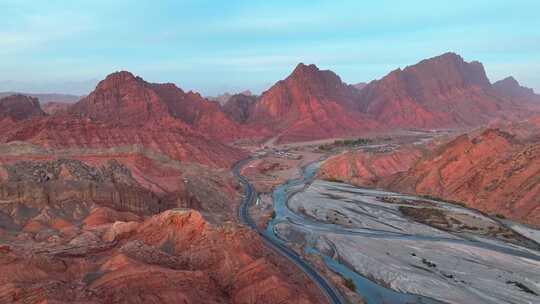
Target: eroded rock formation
{"x": 89, "y": 232}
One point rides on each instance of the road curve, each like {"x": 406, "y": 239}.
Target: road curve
{"x": 333, "y": 296}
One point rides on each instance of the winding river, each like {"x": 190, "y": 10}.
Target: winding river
{"x": 378, "y": 291}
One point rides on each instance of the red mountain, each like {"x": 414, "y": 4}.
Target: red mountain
{"x": 19, "y": 107}
{"x": 130, "y": 100}
{"x": 442, "y": 91}
{"x": 309, "y": 104}
{"x": 511, "y": 89}
{"x": 125, "y": 113}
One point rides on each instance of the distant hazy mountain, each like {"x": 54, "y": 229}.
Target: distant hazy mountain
{"x": 359, "y": 85}
{"x": 223, "y": 98}
{"x": 45, "y": 98}
{"x": 65, "y": 87}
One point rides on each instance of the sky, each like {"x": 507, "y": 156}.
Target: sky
{"x": 217, "y": 46}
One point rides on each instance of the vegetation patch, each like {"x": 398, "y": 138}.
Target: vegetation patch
{"x": 346, "y": 143}
{"x": 349, "y": 283}
{"x": 428, "y": 216}
{"x": 333, "y": 179}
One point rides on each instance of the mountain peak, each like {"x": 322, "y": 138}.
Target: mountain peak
{"x": 451, "y": 69}
{"x": 20, "y": 107}
{"x": 121, "y": 75}
{"x": 303, "y": 69}
{"x": 121, "y": 97}
{"x": 450, "y": 56}
{"x": 118, "y": 78}
{"x": 309, "y": 75}
{"x": 510, "y": 80}
{"x": 433, "y": 92}
{"x": 303, "y": 66}
{"x": 509, "y": 86}
{"x": 310, "y": 103}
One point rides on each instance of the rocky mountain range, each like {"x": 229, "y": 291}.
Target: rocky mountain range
{"x": 440, "y": 92}
{"x": 127, "y": 194}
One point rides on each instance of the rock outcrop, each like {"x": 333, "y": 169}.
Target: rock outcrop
{"x": 57, "y": 183}
{"x": 125, "y": 228}
{"x": 19, "y": 107}
{"x": 175, "y": 256}
{"x": 367, "y": 168}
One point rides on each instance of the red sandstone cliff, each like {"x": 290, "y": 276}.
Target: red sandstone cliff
{"x": 309, "y": 104}
{"x": 368, "y": 169}
{"x": 492, "y": 171}
{"x": 19, "y": 107}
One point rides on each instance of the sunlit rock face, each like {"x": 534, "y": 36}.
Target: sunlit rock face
{"x": 443, "y": 91}
{"x": 368, "y": 169}
{"x": 491, "y": 171}
{"x": 310, "y": 104}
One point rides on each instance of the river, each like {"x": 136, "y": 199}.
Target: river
{"x": 392, "y": 259}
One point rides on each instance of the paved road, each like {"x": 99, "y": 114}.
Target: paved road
{"x": 334, "y": 297}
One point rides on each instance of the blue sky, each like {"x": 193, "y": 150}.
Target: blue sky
{"x": 217, "y": 46}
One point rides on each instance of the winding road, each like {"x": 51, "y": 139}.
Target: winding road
{"x": 333, "y": 296}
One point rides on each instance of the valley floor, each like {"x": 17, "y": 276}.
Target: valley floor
{"x": 394, "y": 248}
{"x": 360, "y": 230}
